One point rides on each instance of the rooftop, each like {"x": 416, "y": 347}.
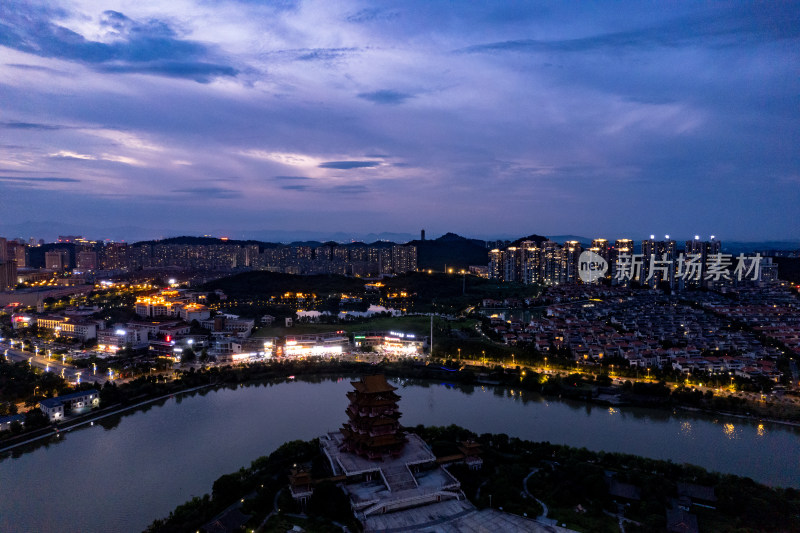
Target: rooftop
{"x": 454, "y": 516}
{"x": 414, "y": 452}
{"x": 373, "y": 384}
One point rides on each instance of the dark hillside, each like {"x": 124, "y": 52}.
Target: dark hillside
{"x": 452, "y": 250}
{"x": 261, "y": 283}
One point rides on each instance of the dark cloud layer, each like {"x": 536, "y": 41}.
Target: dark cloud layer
{"x": 349, "y": 165}
{"x": 765, "y": 23}
{"x": 148, "y": 47}
{"x": 386, "y": 96}
{"x": 349, "y": 189}
{"x": 209, "y": 193}
{"x": 39, "y": 179}
{"x": 31, "y": 126}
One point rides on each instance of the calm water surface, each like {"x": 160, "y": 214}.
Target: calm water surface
{"x": 122, "y": 473}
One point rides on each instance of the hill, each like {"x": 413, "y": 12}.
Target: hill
{"x": 452, "y": 251}
{"x": 538, "y": 239}
{"x": 262, "y": 283}
{"x": 788, "y": 268}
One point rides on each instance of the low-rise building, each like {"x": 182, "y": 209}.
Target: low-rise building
{"x": 57, "y": 408}
{"x": 225, "y": 323}
{"x": 194, "y": 311}
{"x": 67, "y": 327}
{"x": 7, "y": 420}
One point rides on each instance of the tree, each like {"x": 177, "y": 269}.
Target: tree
{"x": 35, "y": 419}
{"x": 188, "y": 356}
{"x": 329, "y": 501}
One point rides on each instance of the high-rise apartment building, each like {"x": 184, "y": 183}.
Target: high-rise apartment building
{"x": 86, "y": 260}
{"x": 571, "y": 252}
{"x": 530, "y": 262}
{"x": 701, "y": 250}
{"x": 658, "y": 262}
{"x": 8, "y": 267}
{"x": 57, "y": 259}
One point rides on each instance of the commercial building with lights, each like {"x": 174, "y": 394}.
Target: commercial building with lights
{"x": 115, "y": 338}
{"x": 67, "y": 327}
{"x": 391, "y": 343}
{"x": 316, "y": 345}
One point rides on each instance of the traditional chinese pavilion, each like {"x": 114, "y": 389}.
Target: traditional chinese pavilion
{"x": 373, "y": 430}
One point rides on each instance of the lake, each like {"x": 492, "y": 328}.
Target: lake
{"x": 125, "y": 471}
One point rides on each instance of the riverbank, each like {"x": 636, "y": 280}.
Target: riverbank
{"x": 91, "y": 418}
{"x": 736, "y": 415}
{"x": 581, "y": 387}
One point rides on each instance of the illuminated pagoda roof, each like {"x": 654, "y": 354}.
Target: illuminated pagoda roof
{"x": 373, "y": 385}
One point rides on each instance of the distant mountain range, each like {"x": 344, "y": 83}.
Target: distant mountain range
{"x": 50, "y": 230}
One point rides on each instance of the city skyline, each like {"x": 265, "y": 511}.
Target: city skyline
{"x": 228, "y": 117}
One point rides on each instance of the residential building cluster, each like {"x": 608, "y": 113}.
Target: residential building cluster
{"x": 652, "y": 263}
{"x": 772, "y": 311}
{"x": 647, "y": 329}
{"x": 355, "y": 259}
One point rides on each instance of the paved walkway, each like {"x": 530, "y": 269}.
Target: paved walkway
{"x": 543, "y": 517}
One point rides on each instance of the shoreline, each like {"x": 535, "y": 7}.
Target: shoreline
{"x": 397, "y": 373}
{"x": 100, "y": 416}
{"x": 736, "y": 415}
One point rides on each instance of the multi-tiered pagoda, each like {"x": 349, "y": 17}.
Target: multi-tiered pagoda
{"x": 373, "y": 430}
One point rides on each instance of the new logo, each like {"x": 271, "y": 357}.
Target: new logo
{"x": 591, "y": 267}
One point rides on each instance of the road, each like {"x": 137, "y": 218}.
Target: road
{"x": 53, "y": 364}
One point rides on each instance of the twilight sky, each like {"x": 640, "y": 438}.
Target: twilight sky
{"x": 597, "y": 119}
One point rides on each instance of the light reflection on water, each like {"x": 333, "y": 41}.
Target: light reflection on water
{"x": 142, "y": 465}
